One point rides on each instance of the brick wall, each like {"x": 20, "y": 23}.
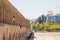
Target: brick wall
{"x": 10, "y": 15}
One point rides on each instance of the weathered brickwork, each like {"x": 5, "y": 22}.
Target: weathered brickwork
{"x": 10, "y": 15}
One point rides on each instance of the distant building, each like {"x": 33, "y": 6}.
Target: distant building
{"x": 51, "y": 17}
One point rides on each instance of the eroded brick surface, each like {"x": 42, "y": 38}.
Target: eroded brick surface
{"x": 10, "y": 15}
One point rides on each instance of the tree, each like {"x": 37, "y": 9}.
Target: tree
{"x": 39, "y": 20}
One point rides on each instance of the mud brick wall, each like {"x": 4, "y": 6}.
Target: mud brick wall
{"x": 10, "y": 15}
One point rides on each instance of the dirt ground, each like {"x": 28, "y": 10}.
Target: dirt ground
{"x": 47, "y": 36}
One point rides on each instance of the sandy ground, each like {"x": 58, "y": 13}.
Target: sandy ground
{"x": 47, "y": 36}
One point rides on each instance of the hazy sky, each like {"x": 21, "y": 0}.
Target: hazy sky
{"x": 31, "y": 9}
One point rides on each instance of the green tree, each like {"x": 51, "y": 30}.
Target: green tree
{"x": 39, "y": 20}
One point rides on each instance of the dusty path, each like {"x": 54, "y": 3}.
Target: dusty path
{"x": 47, "y": 36}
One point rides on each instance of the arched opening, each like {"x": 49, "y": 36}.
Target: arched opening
{"x": 20, "y": 26}
{"x": 13, "y": 19}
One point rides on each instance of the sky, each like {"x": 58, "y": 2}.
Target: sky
{"x": 32, "y": 9}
